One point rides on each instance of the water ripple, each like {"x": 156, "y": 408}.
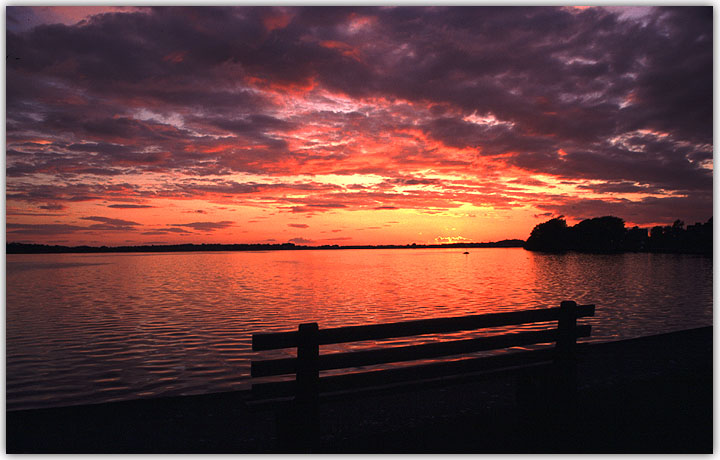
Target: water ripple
{"x": 86, "y": 328}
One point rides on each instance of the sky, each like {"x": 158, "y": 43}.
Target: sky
{"x": 352, "y": 125}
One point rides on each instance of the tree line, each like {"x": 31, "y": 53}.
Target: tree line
{"x": 32, "y": 248}
{"x": 608, "y": 235}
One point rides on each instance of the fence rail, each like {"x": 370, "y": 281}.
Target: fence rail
{"x": 279, "y": 340}
{"x": 282, "y": 366}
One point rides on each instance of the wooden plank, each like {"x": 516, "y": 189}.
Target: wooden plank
{"x": 277, "y": 340}
{"x": 409, "y": 373}
{"x": 270, "y": 367}
{"x": 434, "y": 350}
{"x": 583, "y": 311}
{"x": 274, "y": 340}
{"x": 442, "y": 325}
{"x": 282, "y": 366}
{"x": 434, "y": 326}
{"x": 434, "y": 370}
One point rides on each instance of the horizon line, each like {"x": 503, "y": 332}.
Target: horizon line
{"x": 515, "y": 242}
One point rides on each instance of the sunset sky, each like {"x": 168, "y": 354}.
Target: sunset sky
{"x": 370, "y": 125}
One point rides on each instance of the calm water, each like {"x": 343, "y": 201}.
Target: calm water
{"x": 83, "y": 328}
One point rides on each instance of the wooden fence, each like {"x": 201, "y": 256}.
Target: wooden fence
{"x": 309, "y": 362}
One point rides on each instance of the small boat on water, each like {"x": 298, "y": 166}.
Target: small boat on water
{"x": 466, "y": 252}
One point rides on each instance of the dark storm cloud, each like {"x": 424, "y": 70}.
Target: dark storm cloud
{"x": 577, "y": 94}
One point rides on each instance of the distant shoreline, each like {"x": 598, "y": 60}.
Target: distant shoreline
{"x": 29, "y": 248}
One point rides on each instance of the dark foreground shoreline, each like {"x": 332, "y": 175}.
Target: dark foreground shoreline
{"x": 647, "y": 395}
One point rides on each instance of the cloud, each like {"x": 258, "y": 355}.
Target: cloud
{"x": 451, "y": 239}
{"x": 53, "y": 207}
{"x": 441, "y": 106}
{"x": 298, "y": 225}
{"x": 41, "y": 229}
{"x": 110, "y": 224}
{"x": 129, "y": 206}
{"x": 301, "y": 241}
{"x": 167, "y": 231}
{"x": 105, "y": 224}
{"x": 647, "y": 211}
{"x": 312, "y": 207}
{"x": 205, "y": 226}
{"x": 110, "y": 221}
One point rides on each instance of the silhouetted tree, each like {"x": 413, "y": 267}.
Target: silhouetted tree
{"x": 636, "y": 239}
{"x": 608, "y": 234}
{"x": 699, "y": 237}
{"x": 550, "y": 236}
{"x": 696, "y": 239}
{"x": 599, "y": 234}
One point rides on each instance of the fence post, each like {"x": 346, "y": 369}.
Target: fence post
{"x": 564, "y": 391}
{"x": 307, "y": 381}
{"x": 567, "y": 320}
{"x": 308, "y": 355}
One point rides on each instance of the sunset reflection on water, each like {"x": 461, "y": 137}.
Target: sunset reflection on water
{"x": 100, "y": 327}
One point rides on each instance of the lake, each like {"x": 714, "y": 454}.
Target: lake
{"x": 87, "y": 328}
